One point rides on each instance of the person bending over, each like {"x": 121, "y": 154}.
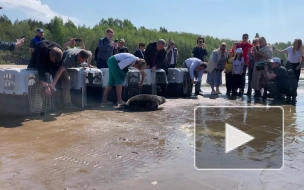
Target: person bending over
{"x": 278, "y": 81}
{"x": 46, "y": 59}
{"x": 118, "y": 67}
{"x": 155, "y": 56}
{"x": 196, "y": 69}
{"x": 71, "y": 58}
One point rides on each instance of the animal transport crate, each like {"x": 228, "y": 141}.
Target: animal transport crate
{"x": 21, "y": 92}
{"x": 161, "y": 82}
{"x": 85, "y": 86}
{"x": 149, "y": 84}
{"x": 179, "y": 82}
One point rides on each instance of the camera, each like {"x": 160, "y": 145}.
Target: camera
{"x": 116, "y": 41}
{"x": 23, "y": 36}
{"x": 261, "y": 66}
{"x": 200, "y": 42}
{"x": 77, "y": 40}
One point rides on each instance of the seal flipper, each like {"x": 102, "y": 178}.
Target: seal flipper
{"x": 153, "y": 106}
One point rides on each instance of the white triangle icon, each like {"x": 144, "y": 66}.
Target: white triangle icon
{"x": 235, "y": 138}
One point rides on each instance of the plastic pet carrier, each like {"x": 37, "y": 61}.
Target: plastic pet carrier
{"x": 22, "y": 93}
{"x": 86, "y": 86}
{"x": 161, "y": 82}
{"x": 179, "y": 82}
{"x": 149, "y": 84}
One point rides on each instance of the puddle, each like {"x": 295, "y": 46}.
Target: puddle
{"x": 100, "y": 149}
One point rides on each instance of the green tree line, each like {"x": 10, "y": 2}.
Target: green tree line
{"x": 60, "y": 32}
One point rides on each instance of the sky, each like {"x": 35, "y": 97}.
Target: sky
{"x": 276, "y": 20}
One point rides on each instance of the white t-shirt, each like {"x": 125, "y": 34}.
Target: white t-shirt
{"x": 237, "y": 65}
{"x": 293, "y": 58}
{"x": 125, "y": 59}
{"x": 192, "y": 63}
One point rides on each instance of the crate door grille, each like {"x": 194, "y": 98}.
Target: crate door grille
{"x": 161, "y": 77}
{"x": 38, "y": 101}
{"x": 133, "y": 80}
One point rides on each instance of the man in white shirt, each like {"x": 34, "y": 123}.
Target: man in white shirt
{"x": 196, "y": 69}
{"x": 172, "y": 54}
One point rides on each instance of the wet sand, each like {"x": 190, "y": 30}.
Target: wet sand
{"x": 109, "y": 149}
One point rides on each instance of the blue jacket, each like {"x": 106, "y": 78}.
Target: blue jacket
{"x": 138, "y": 54}
{"x": 35, "y": 41}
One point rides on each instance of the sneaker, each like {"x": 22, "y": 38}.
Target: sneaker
{"x": 70, "y": 106}
{"x": 218, "y": 92}
{"x": 213, "y": 93}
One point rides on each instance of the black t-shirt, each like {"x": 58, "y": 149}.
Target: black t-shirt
{"x": 282, "y": 79}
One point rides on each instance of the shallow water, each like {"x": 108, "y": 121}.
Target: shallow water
{"x": 110, "y": 149}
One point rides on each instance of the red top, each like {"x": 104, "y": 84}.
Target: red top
{"x": 245, "y": 48}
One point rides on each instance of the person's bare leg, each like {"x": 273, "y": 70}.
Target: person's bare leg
{"x": 118, "y": 93}
{"x": 218, "y": 90}
{"x": 106, "y": 94}
{"x": 212, "y": 90}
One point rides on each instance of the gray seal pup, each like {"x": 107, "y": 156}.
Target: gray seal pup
{"x": 145, "y": 101}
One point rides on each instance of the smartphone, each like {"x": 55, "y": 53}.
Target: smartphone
{"x": 257, "y": 48}
{"x": 78, "y": 40}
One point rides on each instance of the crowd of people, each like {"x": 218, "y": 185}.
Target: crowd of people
{"x": 267, "y": 75}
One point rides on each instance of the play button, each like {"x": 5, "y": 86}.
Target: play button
{"x": 235, "y": 138}
{"x": 241, "y": 137}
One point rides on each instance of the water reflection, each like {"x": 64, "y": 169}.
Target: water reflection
{"x": 265, "y": 124}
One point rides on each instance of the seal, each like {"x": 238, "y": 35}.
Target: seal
{"x": 145, "y": 101}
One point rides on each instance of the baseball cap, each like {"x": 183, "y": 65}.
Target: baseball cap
{"x": 239, "y": 50}
{"x": 39, "y": 30}
{"x": 275, "y": 60}
{"x": 122, "y": 40}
